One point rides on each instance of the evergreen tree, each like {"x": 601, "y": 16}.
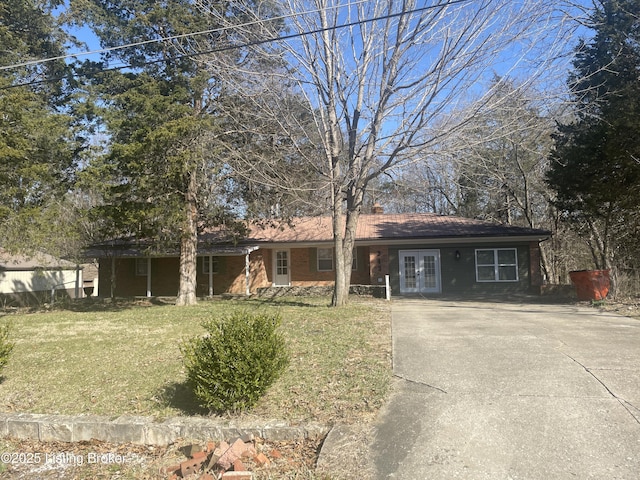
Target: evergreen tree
{"x": 164, "y": 113}
{"x": 595, "y": 169}
{"x": 39, "y": 141}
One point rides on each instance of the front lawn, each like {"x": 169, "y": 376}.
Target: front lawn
{"x": 114, "y": 359}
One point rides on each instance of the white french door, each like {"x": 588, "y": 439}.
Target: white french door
{"x": 419, "y": 271}
{"x": 281, "y": 268}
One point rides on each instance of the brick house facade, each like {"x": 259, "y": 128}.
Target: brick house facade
{"x": 421, "y": 253}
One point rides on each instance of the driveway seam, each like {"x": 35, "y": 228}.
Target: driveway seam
{"x": 417, "y": 382}
{"x": 620, "y": 400}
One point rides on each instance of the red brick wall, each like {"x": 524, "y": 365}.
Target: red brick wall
{"x": 267, "y": 260}
{"x": 231, "y": 273}
{"x": 165, "y": 276}
{"x": 304, "y": 270}
{"x": 378, "y": 264}
{"x": 127, "y": 283}
{"x": 257, "y": 273}
{"x": 362, "y": 275}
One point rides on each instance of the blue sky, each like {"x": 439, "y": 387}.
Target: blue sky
{"x": 85, "y": 35}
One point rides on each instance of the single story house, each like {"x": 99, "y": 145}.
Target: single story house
{"x": 422, "y": 254}
{"x": 35, "y": 278}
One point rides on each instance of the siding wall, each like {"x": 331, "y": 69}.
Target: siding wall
{"x": 39, "y": 281}
{"x": 459, "y": 276}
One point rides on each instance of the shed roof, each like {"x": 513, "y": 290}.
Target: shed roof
{"x": 21, "y": 262}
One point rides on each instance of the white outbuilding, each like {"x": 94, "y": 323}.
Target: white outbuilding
{"x": 39, "y": 277}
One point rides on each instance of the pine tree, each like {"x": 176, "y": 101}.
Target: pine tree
{"x": 163, "y": 114}
{"x": 595, "y": 168}
{"x": 39, "y": 144}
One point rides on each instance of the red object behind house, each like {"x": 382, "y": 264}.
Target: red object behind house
{"x": 591, "y": 284}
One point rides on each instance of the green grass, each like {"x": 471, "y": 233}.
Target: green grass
{"x": 115, "y": 359}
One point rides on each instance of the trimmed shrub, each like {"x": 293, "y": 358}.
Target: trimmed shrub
{"x": 232, "y": 366}
{"x": 5, "y": 345}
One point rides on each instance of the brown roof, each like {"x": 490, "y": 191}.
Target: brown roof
{"x": 372, "y": 228}
{"x": 390, "y": 227}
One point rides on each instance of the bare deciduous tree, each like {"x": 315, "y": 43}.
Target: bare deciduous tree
{"x": 385, "y": 78}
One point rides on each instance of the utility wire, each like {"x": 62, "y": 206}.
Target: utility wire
{"x": 169, "y": 38}
{"x": 236, "y": 46}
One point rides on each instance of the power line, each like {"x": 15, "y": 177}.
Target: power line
{"x": 168, "y": 38}
{"x": 238, "y": 46}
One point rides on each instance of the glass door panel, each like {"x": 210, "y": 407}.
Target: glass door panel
{"x": 281, "y": 274}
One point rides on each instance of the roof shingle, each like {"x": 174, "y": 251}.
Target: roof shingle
{"x": 390, "y": 227}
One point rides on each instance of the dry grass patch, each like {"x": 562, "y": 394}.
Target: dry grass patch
{"x": 57, "y": 460}
{"x": 625, "y": 306}
{"x": 126, "y": 360}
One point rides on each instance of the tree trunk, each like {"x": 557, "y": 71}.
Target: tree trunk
{"x": 341, "y": 289}
{"x": 339, "y": 295}
{"x": 189, "y": 247}
{"x": 344, "y": 260}
{"x": 344, "y": 245}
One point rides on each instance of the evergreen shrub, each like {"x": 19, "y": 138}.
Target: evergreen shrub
{"x": 230, "y": 368}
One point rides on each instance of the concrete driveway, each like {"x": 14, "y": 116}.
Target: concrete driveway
{"x": 511, "y": 391}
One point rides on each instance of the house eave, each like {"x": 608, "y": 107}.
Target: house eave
{"x": 413, "y": 241}
{"x": 454, "y": 240}
{"x": 221, "y": 251}
{"x": 42, "y": 268}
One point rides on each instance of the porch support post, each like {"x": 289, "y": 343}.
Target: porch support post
{"x": 112, "y": 290}
{"x": 77, "y": 285}
{"x": 211, "y": 275}
{"x": 387, "y": 288}
{"x": 246, "y": 273}
{"x": 149, "y": 277}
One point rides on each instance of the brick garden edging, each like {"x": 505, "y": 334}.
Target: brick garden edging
{"x": 143, "y": 430}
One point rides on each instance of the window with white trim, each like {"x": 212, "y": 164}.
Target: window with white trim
{"x": 497, "y": 265}
{"x": 142, "y": 267}
{"x": 325, "y": 259}
{"x": 209, "y": 265}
